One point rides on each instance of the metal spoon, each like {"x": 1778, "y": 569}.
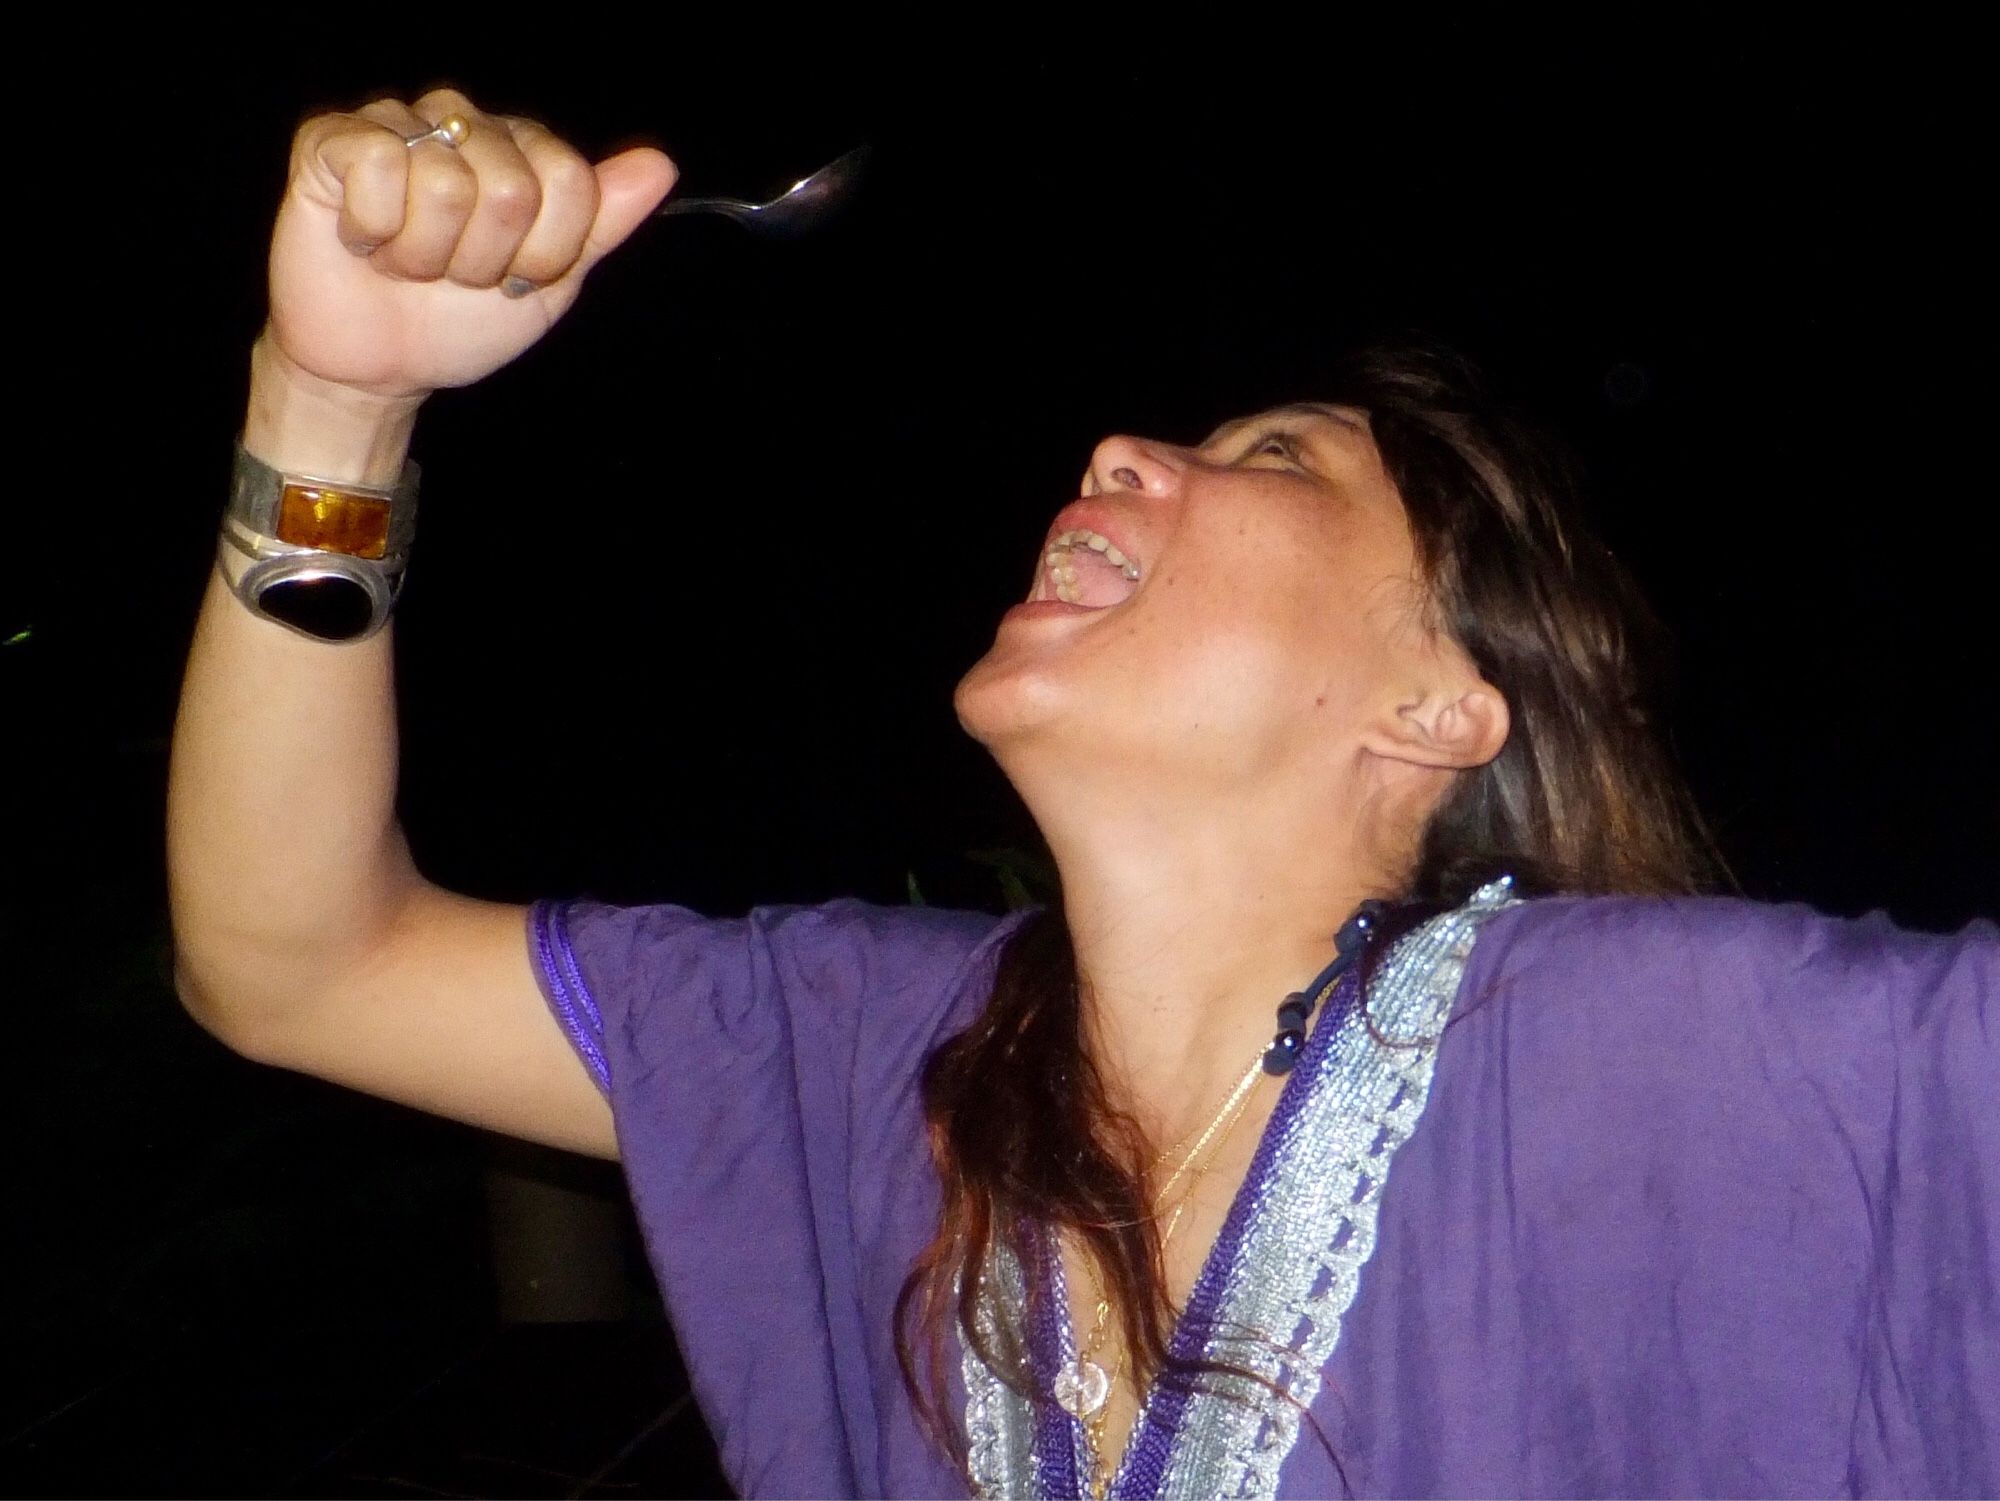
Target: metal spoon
{"x": 802, "y": 205}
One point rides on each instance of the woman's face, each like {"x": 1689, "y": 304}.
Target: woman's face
{"x": 1214, "y": 613}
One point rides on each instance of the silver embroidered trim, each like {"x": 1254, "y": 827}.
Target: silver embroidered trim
{"x": 999, "y": 1423}
{"x": 1308, "y": 1238}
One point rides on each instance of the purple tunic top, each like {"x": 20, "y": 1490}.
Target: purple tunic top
{"x": 1705, "y": 1201}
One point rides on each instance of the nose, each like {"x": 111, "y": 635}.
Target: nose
{"x": 1122, "y": 463}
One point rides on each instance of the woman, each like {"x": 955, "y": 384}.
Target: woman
{"x": 1691, "y": 1196}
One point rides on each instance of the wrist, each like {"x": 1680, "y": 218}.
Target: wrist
{"x": 303, "y": 424}
{"x": 322, "y": 557}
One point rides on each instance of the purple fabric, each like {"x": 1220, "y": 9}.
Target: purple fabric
{"x": 764, "y": 1076}
{"x": 1706, "y": 1200}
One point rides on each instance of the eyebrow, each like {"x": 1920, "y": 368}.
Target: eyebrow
{"x": 1289, "y": 409}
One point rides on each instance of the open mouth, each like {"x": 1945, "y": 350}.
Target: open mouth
{"x": 1082, "y": 567}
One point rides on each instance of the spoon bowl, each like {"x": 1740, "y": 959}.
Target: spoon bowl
{"x": 805, "y": 204}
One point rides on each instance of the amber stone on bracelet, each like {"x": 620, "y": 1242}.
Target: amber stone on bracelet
{"x": 333, "y": 521}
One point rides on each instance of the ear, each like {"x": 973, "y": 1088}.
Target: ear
{"x": 1453, "y": 727}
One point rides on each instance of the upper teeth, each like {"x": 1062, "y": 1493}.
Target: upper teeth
{"x": 1064, "y": 571}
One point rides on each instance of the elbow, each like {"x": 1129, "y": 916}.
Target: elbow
{"x": 199, "y": 1002}
{"x": 227, "y": 1020}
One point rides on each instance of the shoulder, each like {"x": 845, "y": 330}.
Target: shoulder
{"x": 663, "y": 966}
{"x": 867, "y": 946}
{"x": 1725, "y": 941}
{"x": 1727, "y": 984}
{"x": 867, "y": 934}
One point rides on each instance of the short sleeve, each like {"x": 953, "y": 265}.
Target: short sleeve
{"x": 1930, "y": 1411}
{"x": 1721, "y": 1187}
{"x": 563, "y": 986}
{"x": 763, "y": 1077}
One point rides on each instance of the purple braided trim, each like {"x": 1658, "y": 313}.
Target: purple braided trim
{"x": 569, "y": 995}
{"x": 1049, "y": 1349}
{"x": 1145, "y": 1466}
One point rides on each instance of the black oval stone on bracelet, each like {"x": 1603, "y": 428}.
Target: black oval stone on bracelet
{"x": 324, "y": 605}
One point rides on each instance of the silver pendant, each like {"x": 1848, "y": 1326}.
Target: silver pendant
{"x": 1081, "y": 1388}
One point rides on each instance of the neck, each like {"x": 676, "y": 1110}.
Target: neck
{"x": 1190, "y": 928}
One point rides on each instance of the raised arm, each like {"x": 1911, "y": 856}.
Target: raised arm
{"x": 304, "y": 934}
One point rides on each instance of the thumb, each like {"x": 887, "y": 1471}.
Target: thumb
{"x": 630, "y": 186}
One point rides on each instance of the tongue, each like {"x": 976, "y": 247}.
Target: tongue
{"x": 1099, "y": 583}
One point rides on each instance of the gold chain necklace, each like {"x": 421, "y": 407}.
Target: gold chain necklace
{"x": 1083, "y": 1388}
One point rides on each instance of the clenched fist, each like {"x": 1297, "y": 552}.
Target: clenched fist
{"x": 397, "y": 270}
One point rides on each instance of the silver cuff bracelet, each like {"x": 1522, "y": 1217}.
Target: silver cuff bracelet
{"x": 323, "y": 558}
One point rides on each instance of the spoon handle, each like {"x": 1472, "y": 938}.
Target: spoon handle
{"x": 730, "y": 208}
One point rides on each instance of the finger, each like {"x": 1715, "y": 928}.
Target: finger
{"x": 506, "y": 208}
{"x": 355, "y": 164}
{"x": 440, "y": 195}
{"x": 630, "y": 186}
{"x": 569, "y": 207}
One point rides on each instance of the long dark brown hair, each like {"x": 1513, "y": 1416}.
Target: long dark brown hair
{"x": 1584, "y": 797}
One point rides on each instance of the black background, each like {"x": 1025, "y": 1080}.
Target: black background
{"x": 696, "y": 575}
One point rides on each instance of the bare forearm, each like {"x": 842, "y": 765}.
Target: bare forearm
{"x": 284, "y": 858}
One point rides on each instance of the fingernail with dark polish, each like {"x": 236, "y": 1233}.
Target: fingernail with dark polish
{"x": 516, "y": 286}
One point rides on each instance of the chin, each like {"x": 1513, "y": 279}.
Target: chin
{"x": 982, "y": 704}
{"x": 1002, "y": 700}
